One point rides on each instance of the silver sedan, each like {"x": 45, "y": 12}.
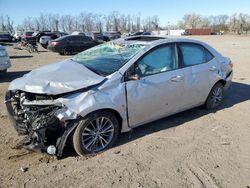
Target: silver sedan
{"x": 113, "y": 88}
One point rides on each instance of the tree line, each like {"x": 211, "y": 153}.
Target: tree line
{"x": 115, "y": 21}
{"x": 236, "y": 23}
{"x": 84, "y": 22}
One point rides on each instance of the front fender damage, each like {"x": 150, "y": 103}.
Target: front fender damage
{"x": 47, "y": 121}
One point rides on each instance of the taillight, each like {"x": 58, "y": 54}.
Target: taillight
{"x": 231, "y": 64}
{"x": 54, "y": 43}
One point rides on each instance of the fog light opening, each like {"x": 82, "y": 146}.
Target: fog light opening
{"x": 51, "y": 150}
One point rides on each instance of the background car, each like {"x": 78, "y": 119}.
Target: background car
{"x": 27, "y": 34}
{"x": 17, "y": 35}
{"x": 48, "y": 36}
{"x": 4, "y": 60}
{"x": 186, "y": 33}
{"x": 71, "y": 44}
{"x": 112, "y": 35}
{"x": 5, "y": 37}
{"x": 97, "y": 36}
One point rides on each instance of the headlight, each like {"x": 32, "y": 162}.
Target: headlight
{"x": 3, "y": 53}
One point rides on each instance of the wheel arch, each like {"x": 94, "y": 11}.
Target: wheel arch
{"x": 74, "y": 125}
{"x": 113, "y": 111}
{"x": 223, "y": 82}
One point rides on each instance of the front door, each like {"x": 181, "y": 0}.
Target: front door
{"x": 159, "y": 90}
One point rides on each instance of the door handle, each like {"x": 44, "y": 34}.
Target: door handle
{"x": 177, "y": 78}
{"x": 213, "y": 68}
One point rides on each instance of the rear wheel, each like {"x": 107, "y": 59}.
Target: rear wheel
{"x": 3, "y": 71}
{"x": 44, "y": 45}
{"x": 67, "y": 51}
{"x": 95, "y": 133}
{"x": 215, "y": 96}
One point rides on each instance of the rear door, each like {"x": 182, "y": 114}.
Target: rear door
{"x": 200, "y": 69}
{"x": 87, "y": 43}
{"x": 75, "y": 43}
{"x": 159, "y": 90}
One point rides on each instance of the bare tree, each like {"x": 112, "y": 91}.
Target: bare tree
{"x": 219, "y": 23}
{"x": 28, "y": 24}
{"x": 99, "y": 22}
{"x": 67, "y": 23}
{"x": 239, "y": 23}
{"x": 114, "y": 21}
{"x": 6, "y": 24}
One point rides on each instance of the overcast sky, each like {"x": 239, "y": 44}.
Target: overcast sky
{"x": 168, "y": 11}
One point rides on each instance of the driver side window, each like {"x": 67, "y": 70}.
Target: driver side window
{"x": 159, "y": 60}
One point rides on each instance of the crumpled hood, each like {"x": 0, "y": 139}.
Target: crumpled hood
{"x": 58, "y": 78}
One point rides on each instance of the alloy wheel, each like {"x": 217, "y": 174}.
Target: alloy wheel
{"x": 97, "y": 134}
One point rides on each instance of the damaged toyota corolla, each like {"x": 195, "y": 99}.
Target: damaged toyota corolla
{"x": 112, "y": 88}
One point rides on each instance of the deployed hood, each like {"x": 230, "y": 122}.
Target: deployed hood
{"x": 58, "y": 78}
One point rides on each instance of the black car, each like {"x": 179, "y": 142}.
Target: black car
{"x": 186, "y": 33}
{"x": 5, "y": 36}
{"x": 71, "y": 44}
{"x": 112, "y": 35}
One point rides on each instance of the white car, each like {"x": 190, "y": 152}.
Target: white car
{"x": 112, "y": 88}
{"x": 17, "y": 35}
{"x": 4, "y": 60}
{"x": 49, "y": 36}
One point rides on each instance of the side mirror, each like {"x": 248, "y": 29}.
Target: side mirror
{"x": 134, "y": 77}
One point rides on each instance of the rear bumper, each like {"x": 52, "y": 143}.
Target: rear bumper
{"x": 52, "y": 48}
{"x": 4, "y": 66}
{"x": 228, "y": 80}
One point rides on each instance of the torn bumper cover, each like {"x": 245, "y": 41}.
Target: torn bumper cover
{"x": 43, "y": 119}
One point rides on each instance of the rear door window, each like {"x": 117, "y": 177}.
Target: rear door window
{"x": 86, "y": 39}
{"x": 74, "y": 38}
{"x": 194, "y": 54}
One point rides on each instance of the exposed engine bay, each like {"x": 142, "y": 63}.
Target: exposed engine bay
{"x": 33, "y": 115}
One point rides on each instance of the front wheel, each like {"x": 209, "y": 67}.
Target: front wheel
{"x": 215, "y": 96}
{"x": 95, "y": 133}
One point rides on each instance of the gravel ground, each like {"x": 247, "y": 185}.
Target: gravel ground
{"x": 196, "y": 148}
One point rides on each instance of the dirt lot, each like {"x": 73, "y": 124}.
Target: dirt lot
{"x": 196, "y": 148}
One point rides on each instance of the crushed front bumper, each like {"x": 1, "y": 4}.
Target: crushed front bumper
{"x": 40, "y": 139}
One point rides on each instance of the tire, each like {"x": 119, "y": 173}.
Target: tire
{"x": 94, "y": 140}
{"x": 44, "y": 46}
{"x": 215, "y": 97}
{"x": 67, "y": 51}
{"x": 3, "y": 71}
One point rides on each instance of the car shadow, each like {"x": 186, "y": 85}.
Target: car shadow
{"x": 20, "y": 56}
{"x": 237, "y": 93}
{"x": 9, "y": 76}
{"x": 6, "y": 43}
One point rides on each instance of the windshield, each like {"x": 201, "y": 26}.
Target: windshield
{"x": 107, "y": 58}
